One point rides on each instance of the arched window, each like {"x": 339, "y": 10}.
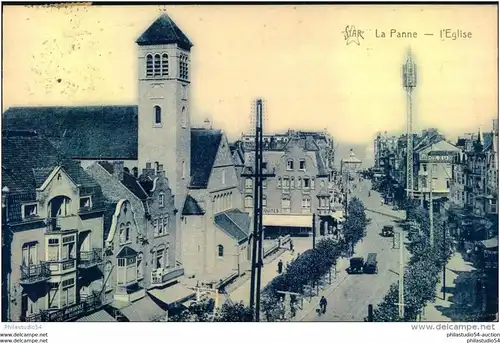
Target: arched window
{"x": 162, "y": 199}
{"x": 183, "y": 67}
{"x": 122, "y": 233}
{"x": 248, "y": 202}
{"x": 184, "y": 117}
{"x": 127, "y": 232}
{"x": 220, "y": 250}
{"x": 183, "y": 169}
{"x": 306, "y": 205}
{"x": 164, "y": 65}
{"x": 223, "y": 177}
{"x": 248, "y": 183}
{"x": 157, "y": 65}
{"x": 157, "y": 115}
{"x": 149, "y": 65}
{"x": 285, "y": 204}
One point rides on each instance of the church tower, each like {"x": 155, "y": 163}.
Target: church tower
{"x": 163, "y": 113}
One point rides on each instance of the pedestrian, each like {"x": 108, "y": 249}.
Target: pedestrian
{"x": 322, "y": 304}
{"x": 291, "y": 246}
{"x": 280, "y": 267}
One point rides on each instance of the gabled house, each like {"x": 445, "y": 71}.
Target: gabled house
{"x": 53, "y": 221}
{"x": 142, "y": 276}
{"x": 214, "y": 231}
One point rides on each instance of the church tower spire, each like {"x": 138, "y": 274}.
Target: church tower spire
{"x": 163, "y": 112}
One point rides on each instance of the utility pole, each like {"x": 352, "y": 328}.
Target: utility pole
{"x": 431, "y": 210}
{"x": 314, "y": 230}
{"x": 444, "y": 264}
{"x": 409, "y": 83}
{"x": 257, "y": 255}
{"x": 401, "y": 302}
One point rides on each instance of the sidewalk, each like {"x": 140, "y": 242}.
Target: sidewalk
{"x": 456, "y": 296}
{"x": 270, "y": 270}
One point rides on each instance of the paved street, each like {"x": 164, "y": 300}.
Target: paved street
{"x": 350, "y": 295}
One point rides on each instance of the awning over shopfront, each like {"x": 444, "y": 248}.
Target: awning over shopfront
{"x": 338, "y": 215}
{"x": 288, "y": 220}
{"x": 143, "y": 310}
{"x": 99, "y": 316}
{"x": 491, "y": 243}
{"x": 177, "y": 293}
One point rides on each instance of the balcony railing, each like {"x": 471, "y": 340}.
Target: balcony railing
{"x": 62, "y": 266}
{"x": 34, "y": 273}
{"x": 89, "y": 259}
{"x": 160, "y": 277}
{"x": 89, "y": 304}
{"x": 62, "y": 223}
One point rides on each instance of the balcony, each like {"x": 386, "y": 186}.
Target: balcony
{"x": 34, "y": 273}
{"x": 90, "y": 259}
{"x": 55, "y": 224}
{"x": 57, "y": 267}
{"x": 306, "y": 190}
{"x": 89, "y": 304}
{"x": 161, "y": 277}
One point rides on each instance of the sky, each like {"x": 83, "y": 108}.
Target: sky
{"x": 296, "y": 58}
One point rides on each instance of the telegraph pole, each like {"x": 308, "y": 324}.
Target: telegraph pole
{"x": 314, "y": 230}
{"x": 444, "y": 264}
{"x": 257, "y": 258}
{"x": 409, "y": 83}
{"x": 401, "y": 277}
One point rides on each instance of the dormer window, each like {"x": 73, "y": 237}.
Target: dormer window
{"x": 183, "y": 118}
{"x": 30, "y": 210}
{"x": 86, "y": 202}
{"x": 289, "y": 165}
{"x": 183, "y": 67}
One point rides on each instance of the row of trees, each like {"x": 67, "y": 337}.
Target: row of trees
{"x": 423, "y": 269}
{"x": 307, "y": 269}
{"x": 311, "y": 266}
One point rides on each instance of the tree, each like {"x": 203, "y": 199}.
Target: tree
{"x": 234, "y": 313}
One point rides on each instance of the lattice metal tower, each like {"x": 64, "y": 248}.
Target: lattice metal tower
{"x": 409, "y": 83}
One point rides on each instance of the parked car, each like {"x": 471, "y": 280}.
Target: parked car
{"x": 356, "y": 265}
{"x": 370, "y": 266}
{"x": 388, "y": 231}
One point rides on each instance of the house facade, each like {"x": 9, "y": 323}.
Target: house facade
{"x": 214, "y": 230}
{"x": 54, "y": 223}
{"x": 297, "y": 191}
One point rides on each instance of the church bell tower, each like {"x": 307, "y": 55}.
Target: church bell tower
{"x": 163, "y": 112}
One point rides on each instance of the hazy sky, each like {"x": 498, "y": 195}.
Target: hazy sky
{"x": 295, "y": 57}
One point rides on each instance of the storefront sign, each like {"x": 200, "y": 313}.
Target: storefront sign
{"x": 271, "y": 211}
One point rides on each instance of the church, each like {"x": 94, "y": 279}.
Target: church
{"x": 157, "y": 134}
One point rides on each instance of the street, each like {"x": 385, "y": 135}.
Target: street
{"x": 349, "y": 299}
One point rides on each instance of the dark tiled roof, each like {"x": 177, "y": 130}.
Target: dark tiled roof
{"x": 321, "y": 165}
{"x": 109, "y": 211}
{"x": 242, "y": 219}
{"x": 230, "y": 223}
{"x": 164, "y": 31}
{"x": 191, "y": 207}
{"x": 126, "y": 252}
{"x": 86, "y": 132}
{"x": 128, "y": 181}
{"x": 204, "y": 147}
{"x": 27, "y": 159}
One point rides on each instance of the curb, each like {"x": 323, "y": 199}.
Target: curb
{"x": 330, "y": 291}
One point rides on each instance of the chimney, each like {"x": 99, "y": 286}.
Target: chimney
{"x": 207, "y": 124}
{"x": 118, "y": 170}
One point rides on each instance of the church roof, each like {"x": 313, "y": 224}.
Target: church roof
{"x": 81, "y": 132}
{"x": 204, "y": 147}
{"x": 234, "y": 223}
{"x": 164, "y": 31}
{"x": 191, "y": 207}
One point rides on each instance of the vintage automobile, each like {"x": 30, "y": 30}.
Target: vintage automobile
{"x": 388, "y": 231}
{"x": 370, "y": 266}
{"x": 356, "y": 265}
